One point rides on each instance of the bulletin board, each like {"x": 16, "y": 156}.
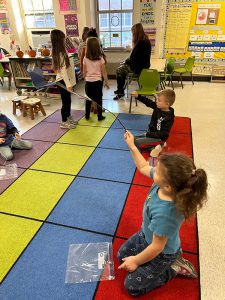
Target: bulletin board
{"x": 71, "y": 25}
{"x": 66, "y": 6}
{"x": 195, "y": 28}
{"x": 147, "y": 12}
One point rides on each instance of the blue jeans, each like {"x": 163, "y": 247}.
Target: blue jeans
{"x": 6, "y": 151}
{"x": 150, "y": 275}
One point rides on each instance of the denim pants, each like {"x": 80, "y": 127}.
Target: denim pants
{"x": 150, "y": 275}
{"x": 6, "y": 151}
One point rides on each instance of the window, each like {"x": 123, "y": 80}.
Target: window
{"x": 115, "y": 19}
{"x": 38, "y": 13}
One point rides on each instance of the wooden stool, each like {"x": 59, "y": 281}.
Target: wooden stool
{"x": 31, "y": 106}
{"x": 17, "y": 104}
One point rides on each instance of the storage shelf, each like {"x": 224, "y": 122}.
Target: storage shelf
{"x": 20, "y": 66}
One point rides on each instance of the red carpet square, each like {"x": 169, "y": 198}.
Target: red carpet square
{"x": 188, "y": 236}
{"x": 179, "y": 143}
{"x": 132, "y": 214}
{"x": 131, "y": 220}
{"x": 181, "y": 125}
{"x": 180, "y": 288}
{"x": 141, "y": 179}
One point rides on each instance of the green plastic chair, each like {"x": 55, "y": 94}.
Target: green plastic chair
{"x": 149, "y": 81}
{"x": 188, "y": 67}
{"x": 3, "y": 74}
{"x": 167, "y": 74}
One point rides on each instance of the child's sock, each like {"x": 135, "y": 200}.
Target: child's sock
{"x": 155, "y": 152}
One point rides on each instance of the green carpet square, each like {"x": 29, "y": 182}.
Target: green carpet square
{"x": 62, "y": 158}
{"x": 15, "y": 234}
{"x": 84, "y": 135}
{"x": 34, "y": 194}
{"x": 93, "y": 121}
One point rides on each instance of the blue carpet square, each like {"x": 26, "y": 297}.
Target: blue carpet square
{"x": 133, "y": 121}
{"x": 114, "y": 139}
{"x": 115, "y": 165}
{"x": 91, "y": 204}
{"x": 40, "y": 272}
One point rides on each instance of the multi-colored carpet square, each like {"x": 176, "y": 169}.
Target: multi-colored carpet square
{"x": 79, "y": 186}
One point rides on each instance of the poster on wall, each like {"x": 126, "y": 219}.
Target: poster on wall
{"x": 151, "y": 33}
{"x": 2, "y": 4}
{"x": 178, "y": 23}
{"x": 203, "y": 34}
{"x": 67, "y": 5}
{"x": 207, "y": 16}
{"x": 71, "y": 24}
{"x": 202, "y": 16}
{"x": 4, "y": 24}
{"x": 147, "y": 12}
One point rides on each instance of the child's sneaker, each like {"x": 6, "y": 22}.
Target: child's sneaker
{"x": 101, "y": 118}
{"x": 184, "y": 267}
{"x": 155, "y": 152}
{"x": 67, "y": 125}
{"x": 72, "y": 121}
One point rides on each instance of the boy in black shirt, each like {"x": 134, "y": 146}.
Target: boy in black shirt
{"x": 162, "y": 118}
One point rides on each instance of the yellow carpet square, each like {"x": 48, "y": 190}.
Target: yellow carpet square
{"x": 93, "y": 121}
{"x": 62, "y": 158}
{"x": 15, "y": 234}
{"x": 34, "y": 194}
{"x": 84, "y": 135}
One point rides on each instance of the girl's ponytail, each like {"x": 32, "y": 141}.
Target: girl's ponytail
{"x": 188, "y": 184}
{"x": 193, "y": 194}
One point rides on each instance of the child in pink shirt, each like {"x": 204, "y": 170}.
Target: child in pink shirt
{"x": 94, "y": 70}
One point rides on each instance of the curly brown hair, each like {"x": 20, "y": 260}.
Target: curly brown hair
{"x": 188, "y": 184}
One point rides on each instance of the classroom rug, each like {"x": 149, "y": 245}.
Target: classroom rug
{"x": 80, "y": 186}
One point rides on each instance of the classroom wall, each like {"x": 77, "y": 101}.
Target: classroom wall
{"x": 86, "y": 14}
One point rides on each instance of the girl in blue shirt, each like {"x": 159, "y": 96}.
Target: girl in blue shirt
{"x": 152, "y": 256}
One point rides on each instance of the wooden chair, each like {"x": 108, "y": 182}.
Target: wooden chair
{"x": 31, "y": 106}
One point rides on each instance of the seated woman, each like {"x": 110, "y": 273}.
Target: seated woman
{"x": 139, "y": 58}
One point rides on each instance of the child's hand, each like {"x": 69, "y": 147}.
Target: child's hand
{"x": 129, "y": 264}
{"x": 106, "y": 85}
{"x": 2, "y": 141}
{"x": 129, "y": 138}
{"x": 134, "y": 94}
{"x": 17, "y": 136}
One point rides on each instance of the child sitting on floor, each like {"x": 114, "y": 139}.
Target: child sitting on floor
{"x": 10, "y": 138}
{"x": 162, "y": 118}
{"x": 152, "y": 256}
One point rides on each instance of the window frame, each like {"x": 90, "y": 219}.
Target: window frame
{"x": 120, "y": 11}
{"x": 41, "y": 12}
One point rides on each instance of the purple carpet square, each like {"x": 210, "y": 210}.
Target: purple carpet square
{"x": 4, "y": 184}
{"x": 56, "y": 116}
{"x": 45, "y": 131}
{"x": 25, "y": 158}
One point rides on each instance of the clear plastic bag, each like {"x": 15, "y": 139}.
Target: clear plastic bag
{"x": 90, "y": 262}
{"x": 8, "y": 171}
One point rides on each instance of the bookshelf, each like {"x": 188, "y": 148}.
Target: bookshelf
{"x": 19, "y": 67}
